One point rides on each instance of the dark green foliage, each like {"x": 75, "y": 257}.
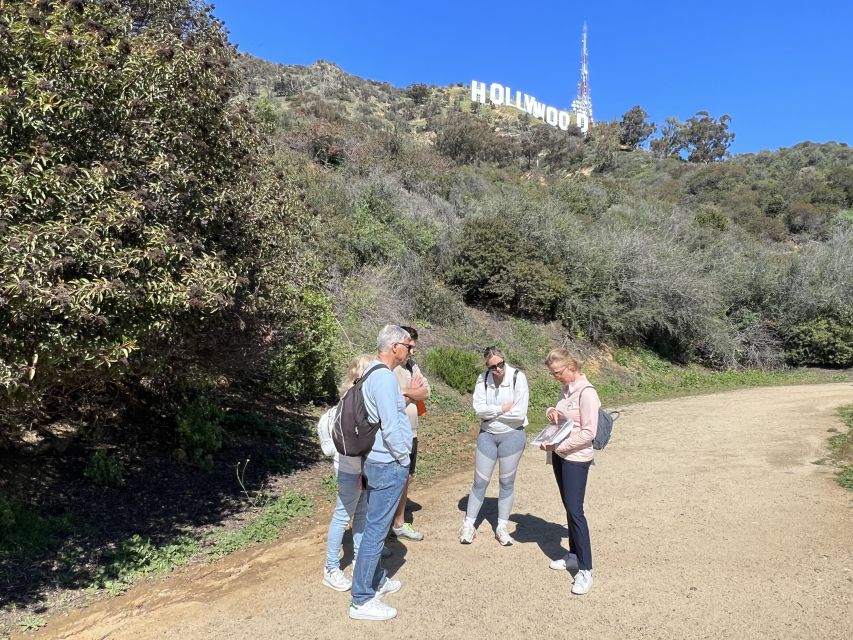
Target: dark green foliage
{"x": 495, "y": 266}
{"x": 112, "y": 212}
{"x": 104, "y": 470}
{"x": 633, "y": 129}
{"x": 823, "y": 341}
{"x": 200, "y": 431}
{"x": 418, "y": 93}
{"x": 705, "y": 138}
{"x": 303, "y": 366}
{"x": 467, "y": 139}
{"x": 458, "y": 369}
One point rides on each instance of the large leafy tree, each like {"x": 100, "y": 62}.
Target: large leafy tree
{"x": 135, "y": 197}
{"x": 706, "y": 138}
{"x": 633, "y": 129}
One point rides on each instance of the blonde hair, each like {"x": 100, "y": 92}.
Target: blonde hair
{"x": 564, "y": 357}
{"x": 356, "y": 367}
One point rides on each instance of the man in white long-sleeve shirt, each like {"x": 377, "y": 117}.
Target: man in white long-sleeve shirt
{"x": 385, "y": 470}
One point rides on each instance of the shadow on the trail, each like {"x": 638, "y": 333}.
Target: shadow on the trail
{"x": 392, "y": 564}
{"x": 548, "y": 535}
{"x": 528, "y": 528}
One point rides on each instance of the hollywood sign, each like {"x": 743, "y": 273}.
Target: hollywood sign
{"x": 498, "y": 94}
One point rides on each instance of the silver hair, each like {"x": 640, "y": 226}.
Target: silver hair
{"x": 390, "y": 334}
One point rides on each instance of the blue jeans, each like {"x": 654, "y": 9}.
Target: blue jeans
{"x": 350, "y": 506}
{"x": 384, "y": 487}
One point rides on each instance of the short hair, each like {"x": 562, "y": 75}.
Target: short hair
{"x": 563, "y": 356}
{"x": 413, "y": 333}
{"x": 356, "y": 367}
{"x": 390, "y": 334}
{"x": 490, "y": 352}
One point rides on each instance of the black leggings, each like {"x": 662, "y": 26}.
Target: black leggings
{"x": 571, "y": 480}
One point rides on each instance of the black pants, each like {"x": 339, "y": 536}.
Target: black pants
{"x": 571, "y": 480}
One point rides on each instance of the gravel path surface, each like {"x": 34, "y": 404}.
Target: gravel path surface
{"x": 708, "y": 518}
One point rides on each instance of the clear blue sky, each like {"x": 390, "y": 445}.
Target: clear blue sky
{"x": 782, "y": 70}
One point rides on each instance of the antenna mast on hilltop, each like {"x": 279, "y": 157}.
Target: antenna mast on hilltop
{"x": 583, "y": 102}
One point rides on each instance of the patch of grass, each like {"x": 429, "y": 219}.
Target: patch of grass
{"x": 31, "y": 622}
{"x": 137, "y": 557}
{"x": 330, "y": 487}
{"x": 841, "y": 449}
{"x": 267, "y": 525}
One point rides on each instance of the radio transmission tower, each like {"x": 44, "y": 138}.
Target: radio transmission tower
{"x": 583, "y": 102}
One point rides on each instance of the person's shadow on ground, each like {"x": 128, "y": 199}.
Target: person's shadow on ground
{"x": 392, "y": 564}
{"x": 528, "y": 528}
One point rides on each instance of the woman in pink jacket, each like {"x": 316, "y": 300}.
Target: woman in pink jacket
{"x": 572, "y": 458}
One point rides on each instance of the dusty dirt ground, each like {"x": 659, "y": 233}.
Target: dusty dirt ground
{"x": 708, "y": 518}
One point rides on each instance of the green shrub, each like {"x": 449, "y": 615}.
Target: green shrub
{"x": 200, "y": 431}
{"x": 544, "y": 393}
{"x": 456, "y": 368}
{"x": 137, "y": 557}
{"x": 269, "y": 523}
{"x": 104, "y": 470}
{"x": 304, "y": 366}
{"x": 822, "y": 341}
{"x": 7, "y": 516}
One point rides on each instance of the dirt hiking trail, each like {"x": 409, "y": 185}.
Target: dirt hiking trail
{"x": 708, "y": 520}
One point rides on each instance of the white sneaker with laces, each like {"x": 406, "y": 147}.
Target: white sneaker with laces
{"x": 388, "y": 587}
{"x": 373, "y": 609}
{"x": 562, "y": 564}
{"x": 467, "y": 533}
{"x": 583, "y": 582}
{"x": 335, "y": 579}
{"x": 406, "y": 530}
{"x": 502, "y": 535}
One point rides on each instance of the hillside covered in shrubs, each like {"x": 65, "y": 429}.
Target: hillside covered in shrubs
{"x": 171, "y": 209}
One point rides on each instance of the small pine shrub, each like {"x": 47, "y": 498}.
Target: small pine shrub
{"x": 200, "y": 431}
{"x": 456, "y": 368}
{"x": 104, "y": 470}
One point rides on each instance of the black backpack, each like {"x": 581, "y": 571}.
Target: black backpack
{"x": 352, "y": 431}
{"x": 486, "y": 382}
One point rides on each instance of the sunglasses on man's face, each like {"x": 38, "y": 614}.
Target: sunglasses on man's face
{"x": 497, "y": 365}
{"x": 409, "y": 347}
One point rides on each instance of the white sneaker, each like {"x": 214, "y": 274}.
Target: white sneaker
{"x": 562, "y": 564}
{"x": 388, "y": 587}
{"x": 502, "y": 535}
{"x": 467, "y": 533}
{"x": 373, "y": 609}
{"x": 406, "y": 530}
{"x": 335, "y": 579}
{"x": 583, "y": 582}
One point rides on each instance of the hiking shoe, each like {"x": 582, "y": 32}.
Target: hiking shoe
{"x": 386, "y": 552}
{"x": 467, "y": 533}
{"x": 373, "y": 609}
{"x": 407, "y": 531}
{"x": 562, "y": 564}
{"x": 583, "y": 582}
{"x": 335, "y": 579}
{"x": 502, "y": 535}
{"x": 388, "y": 587}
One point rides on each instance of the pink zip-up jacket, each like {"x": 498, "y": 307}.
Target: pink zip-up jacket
{"x": 577, "y": 447}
